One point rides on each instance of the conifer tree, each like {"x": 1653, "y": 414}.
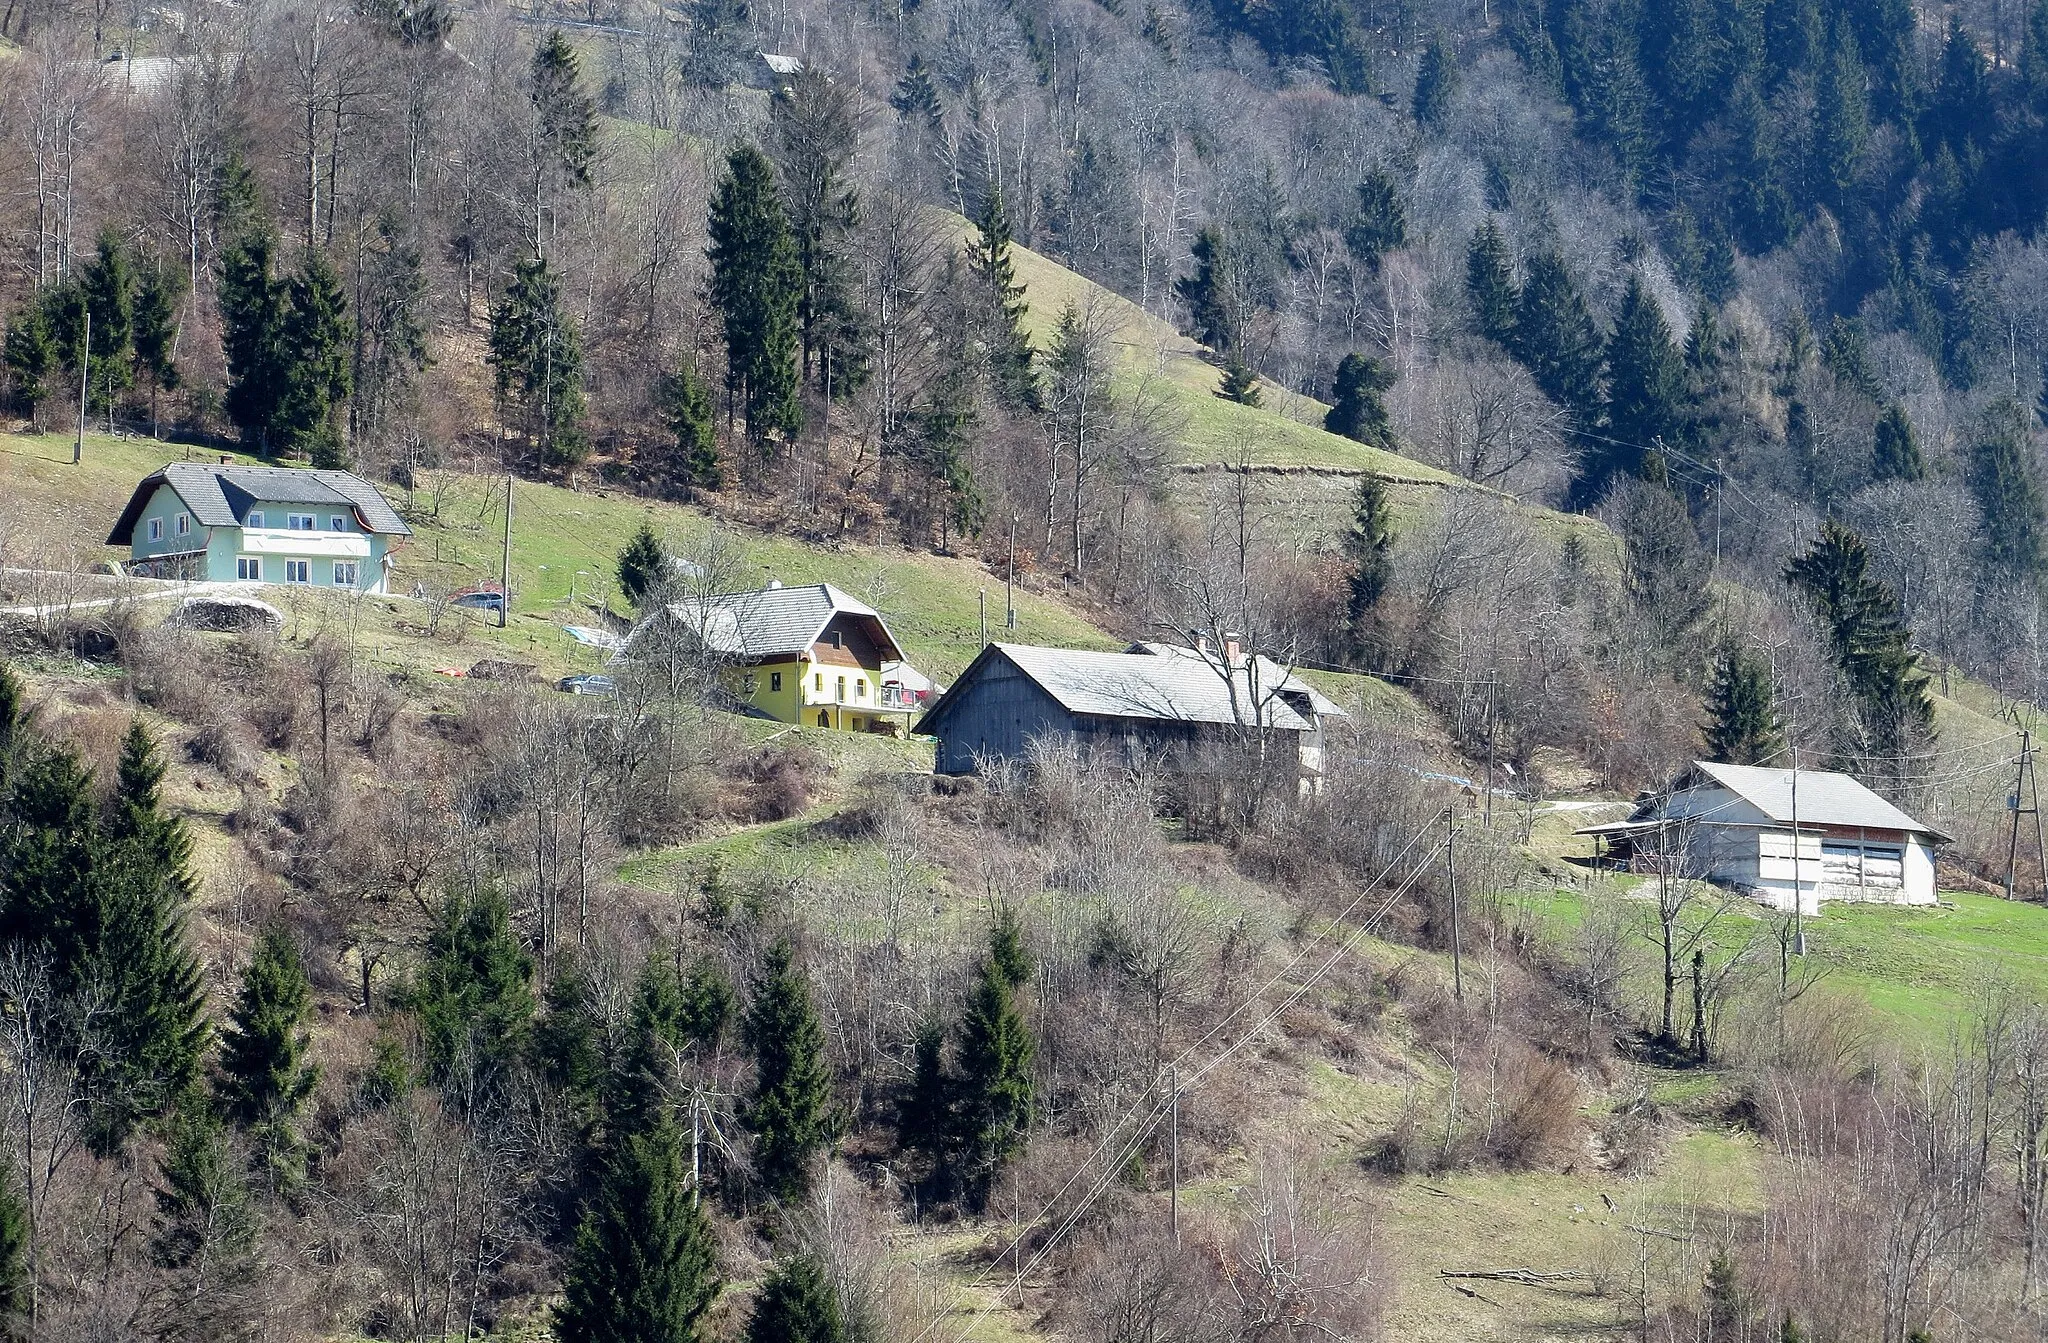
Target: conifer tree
{"x": 316, "y": 336}
{"x": 669, "y": 1013}
{"x": 107, "y": 286}
{"x": 205, "y": 1224}
{"x": 917, "y": 94}
{"x": 1212, "y": 293}
{"x": 31, "y": 357}
{"x": 1664, "y": 572}
{"x": 643, "y": 564}
{"x": 2009, "y": 494}
{"x": 1764, "y": 215}
{"x": 1436, "y": 83}
{"x": 252, "y": 311}
{"x": 684, "y": 399}
{"x": 757, "y": 283}
{"x": 566, "y": 1048}
{"x": 1382, "y": 223}
{"x": 1239, "y": 383}
{"x": 1723, "y": 1297}
{"x": 1895, "y": 452}
{"x": 473, "y": 995}
{"x": 1007, "y": 349}
{"x": 817, "y": 129}
{"x": 1369, "y": 547}
{"x": 1645, "y": 397}
{"x": 994, "y": 1105}
{"x": 158, "y": 294}
{"x": 266, "y": 1074}
{"x": 1555, "y": 337}
{"x": 1742, "y": 721}
{"x": 564, "y": 141}
{"x": 1842, "y": 114}
{"x": 1006, "y": 949}
{"x": 797, "y": 1305}
{"x": 538, "y": 362}
{"x": 1490, "y": 284}
{"x": 924, "y": 1116}
{"x": 1867, "y": 634}
{"x": 1358, "y": 409}
{"x": 644, "y": 1265}
{"x": 14, "y": 1260}
{"x": 791, "y": 1112}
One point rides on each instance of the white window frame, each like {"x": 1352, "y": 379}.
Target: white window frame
{"x": 255, "y": 518}
{"x": 184, "y": 525}
{"x": 301, "y": 522}
{"x": 336, "y": 523}
{"x": 156, "y": 529}
{"x": 346, "y": 573}
{"x": 249, "y": 568}
{"x": 298, "y": 571}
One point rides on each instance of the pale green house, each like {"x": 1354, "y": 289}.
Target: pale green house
{"x": 261, "y": 524}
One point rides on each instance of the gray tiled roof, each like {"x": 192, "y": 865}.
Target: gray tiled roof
{"x": 776, "y": 621}
{"x": 1170, "y": 683}
{"x": 221, "y": 496}
{"x": 1824, "y": 798}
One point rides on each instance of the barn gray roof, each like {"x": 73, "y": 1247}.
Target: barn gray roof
{"x": 221, "y": 496}
{"x": 1825, "y": 798}
{"x": 775, "y": 621}
{"x": 1162, "y": 682}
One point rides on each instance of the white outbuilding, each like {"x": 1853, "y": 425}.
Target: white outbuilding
{"x": 1736, "y": 825}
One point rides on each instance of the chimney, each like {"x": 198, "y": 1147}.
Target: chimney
{"x": 1233, "y": 647}
{"x": 224, "y": 459}
{"x": 1200, "y": 639}
{"x": 774, "y": 584}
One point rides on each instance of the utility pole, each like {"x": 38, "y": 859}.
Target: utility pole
{"x": 2025, "y": 800}
{"x": 1457, "y": 945}
{"x": 1173, "y": 1158}
{"x": 1492, "y": 694}
{"x": 1010, "y": 581}
{"x": 1798, "y": 867}
{"x": 84, "y": 372}
{"x": 984, "y": 617}
{"x": 505, "y": 561}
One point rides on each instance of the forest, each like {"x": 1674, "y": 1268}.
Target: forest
{"x": 1582, "y": 387}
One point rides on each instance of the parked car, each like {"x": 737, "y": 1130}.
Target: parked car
{"x": 587, "y": 685}
{"x": 478, "y": 600}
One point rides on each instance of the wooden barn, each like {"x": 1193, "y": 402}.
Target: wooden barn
{"x": 1737, "y": 825}
{"x": 1153, "y": 706}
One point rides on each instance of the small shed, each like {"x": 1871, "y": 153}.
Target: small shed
{"x": 1153, "y": 704}
{"x": 1788, "y": 837}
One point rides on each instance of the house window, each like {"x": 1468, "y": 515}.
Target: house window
{"x": 345, "y": 572}
{"x": 860, "y": 687}
{"x": 184, "y": 527}
{"x": 302, "y": 522}
{"x": 298, "y": 571}
{"x": 255, "y": 518}
{"x": 337, "y": 523}
{"x": 156, "y": 529}
{"x": 818, "y": 683}
{"x": 838, "y": 640}
{"x": 249, "y": 568}
{"x": 824, "y": 718}
{"x": 775, "y": 682}
{"x": 841, "y": 696}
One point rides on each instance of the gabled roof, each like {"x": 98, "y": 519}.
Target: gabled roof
{"x": 221, "y": 496}
{"x": 1825, "y": 799}
{"x": 1157, "y": 682}
{"x": 777, "y": 621}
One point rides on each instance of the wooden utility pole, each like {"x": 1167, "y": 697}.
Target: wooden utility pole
{"x": 1457, "y": 948}
{"x": 1798, "y": 868}
{"x": 2025, "y": 800}
{"x": 1173, "y": 1153}
{"x": 984, "y": 617}
{"x": 84, "y": 373}
{"x": 1010, "y": 581}
{"x": 505, "y": 562}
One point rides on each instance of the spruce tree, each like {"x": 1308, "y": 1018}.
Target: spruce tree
{"x": 1239, "y": 383}
{"x": 31, "y": 356}
{"x": 1368, "y": 546}
{"x": 2008, "y": 491}
{"x": 1212, "y": 292}
{"x": 644, "y": 1265}
{"x": 1664, "y": 572}
{"x": 1723, "y": 1298}
{"x": 564, "y": 141}
{"x": 1742, "y": 721}
{"x": 205, "y": 1224}
{"x": 1006, "y": 949}
{"x": 917, "y": 94}
{"x": 1358, "y": 409}
{"x": 1436, "y": 83}
{"x": 252, "y": 315}
{"x": 473, "y": 995}
{"x": 669, "y": 1013}
{"x": 567, "y": 1048}
{"x": 1868, "y": 637}
{"x": 317, "y": 338}
{"x": 684, "y": 399}
{"x": 1555, "y": 338}
{"x": 1645, "y": 396}
{"x": 924, "y": 1115}
{"x": 757, "y": 283}
{"x": 1842, "y": 115}
{"x": 1382, "y": 223}
{"x": 538, "y": 362}
{"x": 1895, "y": 451}
{"x": 266, "y": 1074}
{"x": 1490, "y": 284}
{"x": 107, "y": 285}
{"x": 1007, "y": 349}
{"x": 797, "y": 1305}
{"x": 158, "y": 295}
{"x": 14, "y": 1245}
{"x": 790, "y": 1113}
{"x": 994, "y": 1105}
{"x": 816, "y": 132}
{"x": 643, "y": 565}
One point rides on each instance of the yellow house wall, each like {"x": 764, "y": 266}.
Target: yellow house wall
{"x": 809, "y": 690}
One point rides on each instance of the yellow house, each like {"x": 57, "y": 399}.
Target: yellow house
{"x": 809, "y": 655}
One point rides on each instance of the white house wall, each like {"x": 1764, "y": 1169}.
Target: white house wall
{"x": 1848, "y": 868}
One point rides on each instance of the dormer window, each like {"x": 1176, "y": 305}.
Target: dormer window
{"x": 255, "y": 518}
{"x": 838, "y": 640}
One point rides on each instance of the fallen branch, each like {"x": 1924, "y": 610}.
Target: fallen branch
{"x": 1678, "y": 1236}
{"x": 1527, "y": 1277}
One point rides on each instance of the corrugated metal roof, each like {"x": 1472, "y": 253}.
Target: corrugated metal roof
{"x": 774, "y": 622}
{"x": 221, "y": 496}
{"x": 1179, "y": 685}
{"x": 1825, "y": 798}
